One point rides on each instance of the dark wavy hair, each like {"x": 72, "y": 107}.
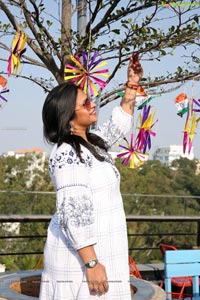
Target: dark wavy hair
{"x": 57, "y": 112}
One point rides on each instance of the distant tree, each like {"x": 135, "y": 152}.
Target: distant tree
{"x": 156, "y": 182}
{"x": 18, "y": 198}
{"x": 185, "y": 164}
{"x": 15, "y": 174}
{"x": 186, "y": 177}
{"x": 150, "y": 179}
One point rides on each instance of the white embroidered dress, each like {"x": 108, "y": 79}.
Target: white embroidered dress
{"x": 89, "y": 212}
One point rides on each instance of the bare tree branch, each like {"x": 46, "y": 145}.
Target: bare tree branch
{"x": 45, "y": 84}
{"x": 114, "y": 94}
{"x": 10, "y": 16}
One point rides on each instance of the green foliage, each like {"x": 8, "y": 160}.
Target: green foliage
{"x": 145, "y": 191}
{"x": 15, "y": 175}
{"x": 153, "y": 179}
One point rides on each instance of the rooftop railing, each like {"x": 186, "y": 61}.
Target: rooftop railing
{"x": 150, "y": 223}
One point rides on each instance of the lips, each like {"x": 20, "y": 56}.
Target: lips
{"x": 93, "y": 112}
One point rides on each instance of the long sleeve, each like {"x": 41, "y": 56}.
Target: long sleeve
{"x": 75, "y": 207}
{"x": 116, "y": 127}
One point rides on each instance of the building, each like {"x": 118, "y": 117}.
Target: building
{"x": 39, "y": 156}
{"x": 167, "y": 154}
{"x": 9, "y": 227}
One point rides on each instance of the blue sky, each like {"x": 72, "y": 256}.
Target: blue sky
{"x": 21, "y": 124}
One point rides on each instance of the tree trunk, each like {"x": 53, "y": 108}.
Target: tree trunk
{"x": 65, "y": 32}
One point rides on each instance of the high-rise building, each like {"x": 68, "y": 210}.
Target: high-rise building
{"x": 167, "y": 154}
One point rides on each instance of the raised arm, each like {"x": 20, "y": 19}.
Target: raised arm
{"x": 121, "y": 119}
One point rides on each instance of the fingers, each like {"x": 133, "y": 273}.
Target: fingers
{"x": 103, "y": 288}
{"x": 106, "y": 286}
{"x": 135, "y": 65}
{"x": 97, "y": 280}
{"x": 98, "y": 288}
{"x": 133, "y": 76}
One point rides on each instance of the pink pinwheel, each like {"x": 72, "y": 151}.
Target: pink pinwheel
{"x": 143, "y": 140}
{"x": 131, "y": 156}
{"x": 17, "y": 50}
{"x": 190, "y": 124}
{"x": 189, "y": 132}
{"x": 85, "y": 73}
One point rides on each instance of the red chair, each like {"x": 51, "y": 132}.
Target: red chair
{"x": 165, "y": 247}
{"x": 133, "y": 268}
{"x": 180, "y": 282}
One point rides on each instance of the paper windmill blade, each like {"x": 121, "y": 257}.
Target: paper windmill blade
{"x": 145, "y": 101}
{"x": 141, "y": 98}
{"x": 130, "y": 155}
{"x": 189, "y": 131}
{"x": 146, "y": 122}
{"x": 196, "y": 104}
{"x": 182, "y": 104}
{"x": 86, "y": 72}
{"x": 3, "y": 89}
{"x": 17, "y": 50}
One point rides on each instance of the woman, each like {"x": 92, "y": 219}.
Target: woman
{"x": 86, "y": 252}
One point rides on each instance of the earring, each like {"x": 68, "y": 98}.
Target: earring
{"x": 71, "y": 127}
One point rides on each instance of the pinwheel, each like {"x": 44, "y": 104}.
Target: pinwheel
{"x": 186, "y": 134}
{"x": 3, "y": 89}
{"x": 17, "y": 50}
{"x": 191, "y": 107}
{"x": 131, "y": 156}
{"x": 189, "y": 132}
{"x": 86, "y": 72}
{"x": 145, "y": 101}
{"x": 146, "y": 120}
{"x": 182, "y": 104}
{"x": 196, "y": 103}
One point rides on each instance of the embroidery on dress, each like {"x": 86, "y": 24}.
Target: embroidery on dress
{"x": 61, "y": 159}
{"x": 88, "y": 161}
{"x": 77, "y": 211}
{"x": 110, "y": 132}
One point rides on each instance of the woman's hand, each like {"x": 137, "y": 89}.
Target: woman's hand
{"x": 134, "y": 74}
{"x": 97, "y": 279}
{"x": 135, "y": 71}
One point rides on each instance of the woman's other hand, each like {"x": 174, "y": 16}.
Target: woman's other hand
{"x": 97, "y": 279}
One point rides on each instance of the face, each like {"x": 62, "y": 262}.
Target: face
{"x": 85, "y": 111}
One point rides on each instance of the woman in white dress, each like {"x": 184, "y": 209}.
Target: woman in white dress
{"x": 86, "y": 252}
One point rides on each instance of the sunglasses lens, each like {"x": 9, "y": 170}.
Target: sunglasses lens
{"x": 88, "y": 104}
